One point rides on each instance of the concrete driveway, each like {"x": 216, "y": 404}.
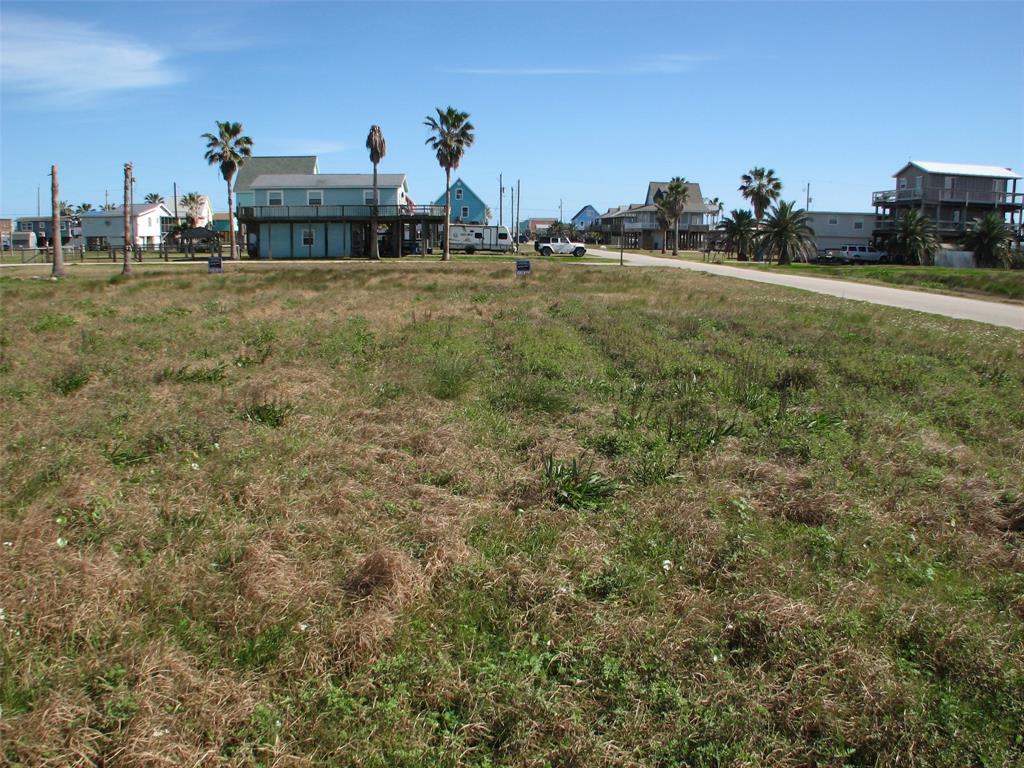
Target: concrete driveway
{"x": 979, "y": 310}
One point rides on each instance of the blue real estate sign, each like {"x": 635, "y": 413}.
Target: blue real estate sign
{"x": 215, "y": 264}
{"x": 522, "y": 267}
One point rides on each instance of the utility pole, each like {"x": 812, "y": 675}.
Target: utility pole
{"x": 175, "y": 202}
{"x": 519, "y": 204}
{"x": 807, "y": 207}
{"x": 501, "y": 199}
{"x": 622, "y": 240}
{"x": 58, "y": 255}
{"x": 126, "y": 269}
{"x": 560, "y": 209}
{"x": 38, "y": 211}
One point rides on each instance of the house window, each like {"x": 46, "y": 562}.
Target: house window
{"x": 903, "y": 183}
{"x": 307, "y": 237}
{"x": 465, "y": 212}
{"x": 833, "y": 221}
{"x": 314, "y": 197}
{"x": 949, "y": 183}
{"x": 858, "y": 224}
{"x": 367, "y": 197}
{"x": 275, "y": 198}
{"x": 458, "y": 193}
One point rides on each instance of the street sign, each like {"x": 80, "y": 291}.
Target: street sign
{"x": 522, "y": 267}
{"x": 215, "y": 265}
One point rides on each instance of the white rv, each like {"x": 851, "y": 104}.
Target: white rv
{"x": 480, "y": 237}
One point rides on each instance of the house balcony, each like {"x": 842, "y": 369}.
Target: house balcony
{"x": 933, "y": 195}
{"x": 308, "y": 213}
{"x": 942, "y": 228}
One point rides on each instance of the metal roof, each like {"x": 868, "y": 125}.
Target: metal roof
{"x": 138, "y": 209}
{"x": 263, "y": 164}
{"x": 325, "y": 180}
{"x": 963, "y": 169}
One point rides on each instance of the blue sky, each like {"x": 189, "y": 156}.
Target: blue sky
{"x": 585, "y": 102}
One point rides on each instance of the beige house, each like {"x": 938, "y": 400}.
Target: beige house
{"x": 951, "y": 195}
{"x": 637, "y": 225}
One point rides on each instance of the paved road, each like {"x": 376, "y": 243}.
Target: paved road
{"x": 991, "y": 312}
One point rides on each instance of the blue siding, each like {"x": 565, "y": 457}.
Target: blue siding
{"x": 330, "y": 239}
{"x": 477, "y": 209}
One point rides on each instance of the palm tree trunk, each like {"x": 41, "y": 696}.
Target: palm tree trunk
{"x": 664, "y": 238}
{"x": 58, "y": 256}
{"x": 231, "y": 220}
{"x": 446, "y": 256}
{"x": 675, "y": 238}
{"x": 374, "y": 249}
{"x": 126, "y": 268}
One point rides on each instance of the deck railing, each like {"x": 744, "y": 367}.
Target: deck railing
{"x": 934, "y": 194}
{"x": 313, "y": 212}
{"x": 942, "y": 226}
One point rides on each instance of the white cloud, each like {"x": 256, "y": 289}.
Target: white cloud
{"x": 66, "y": 63}
{"x": 666, "y": 63}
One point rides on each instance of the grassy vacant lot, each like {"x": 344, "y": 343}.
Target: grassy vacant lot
{"x": 983, "y": 283}
{"x": 408, "y": 515}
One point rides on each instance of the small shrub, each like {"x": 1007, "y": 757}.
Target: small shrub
{"x": 53, "y": 323}
{"x": 69, "y": 380}
{"x": 576, "y": 486}
{"x": 271, "y": 414}
{"x": 450, "y": 375}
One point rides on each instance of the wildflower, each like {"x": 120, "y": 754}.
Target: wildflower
{"x": 666, "y": 565}
{"x": 62, "y": 542}
{"x": 194, "y": 465}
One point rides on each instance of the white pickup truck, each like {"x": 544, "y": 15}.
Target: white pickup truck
{"x": 548, "y": 245}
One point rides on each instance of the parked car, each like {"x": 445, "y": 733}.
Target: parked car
{"x": 855, "y": 254}
{"x": 546, "y": 245}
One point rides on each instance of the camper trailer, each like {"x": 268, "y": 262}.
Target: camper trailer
{"x": 24, "y": 239}
{"x": 480, "y": 237}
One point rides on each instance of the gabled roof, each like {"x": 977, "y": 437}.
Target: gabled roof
{"x": 181, "y": 203}
{"x": 258, "y": 166}
{"x": 962, "y": 169}
{"x": 582, "y": 210}
{"x": 694, "y": 199}
{"x": 325, "y": 180}
{"x": 138, "y": 209}
{"x": 466, "y": 187}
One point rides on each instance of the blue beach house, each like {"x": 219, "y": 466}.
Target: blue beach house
{"x": 467, "y": 207}
{"x": 585, "y": 218}
{"x": 328, "y": 215}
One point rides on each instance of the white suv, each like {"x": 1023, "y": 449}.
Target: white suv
{"x": 859, "y": 254}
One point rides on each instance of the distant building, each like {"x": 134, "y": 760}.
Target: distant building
{"x": 834, "y": 229}
{"x": 6, "y": 227}
{"x": 202, "y": 216}
{"x": 220, "y": 225}
{"x": 467, "y": 206}
{"x": 105, "y": 229}
{"x": 533, "y": 227}
{"x": 43, "y": 227}
{"x": 951, "y": 195}
{"x": 638, "y": 224}
{"x": 585, "y": 218}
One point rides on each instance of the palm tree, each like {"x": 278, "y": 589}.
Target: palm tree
{"x": 453, "y": 135}
{"x": 378, "y": 148}
{"x": 66, "y": 209}
{"x": 108, "y": 207}
{"x": 154, "y": 197}
{"x": 84, "y": 208}
{"x": 914, "y": 240}
{"x": 787, "y": 233}
{"x": 228, "y": 148}
{"x": 675, "y": 199}
{"x": 762, "y": 188}
{"x": 193, "y": 202}
{"x": 990, "y": 240}
{"x": 740, "y": 230}
{"x": 714, "y": 207}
